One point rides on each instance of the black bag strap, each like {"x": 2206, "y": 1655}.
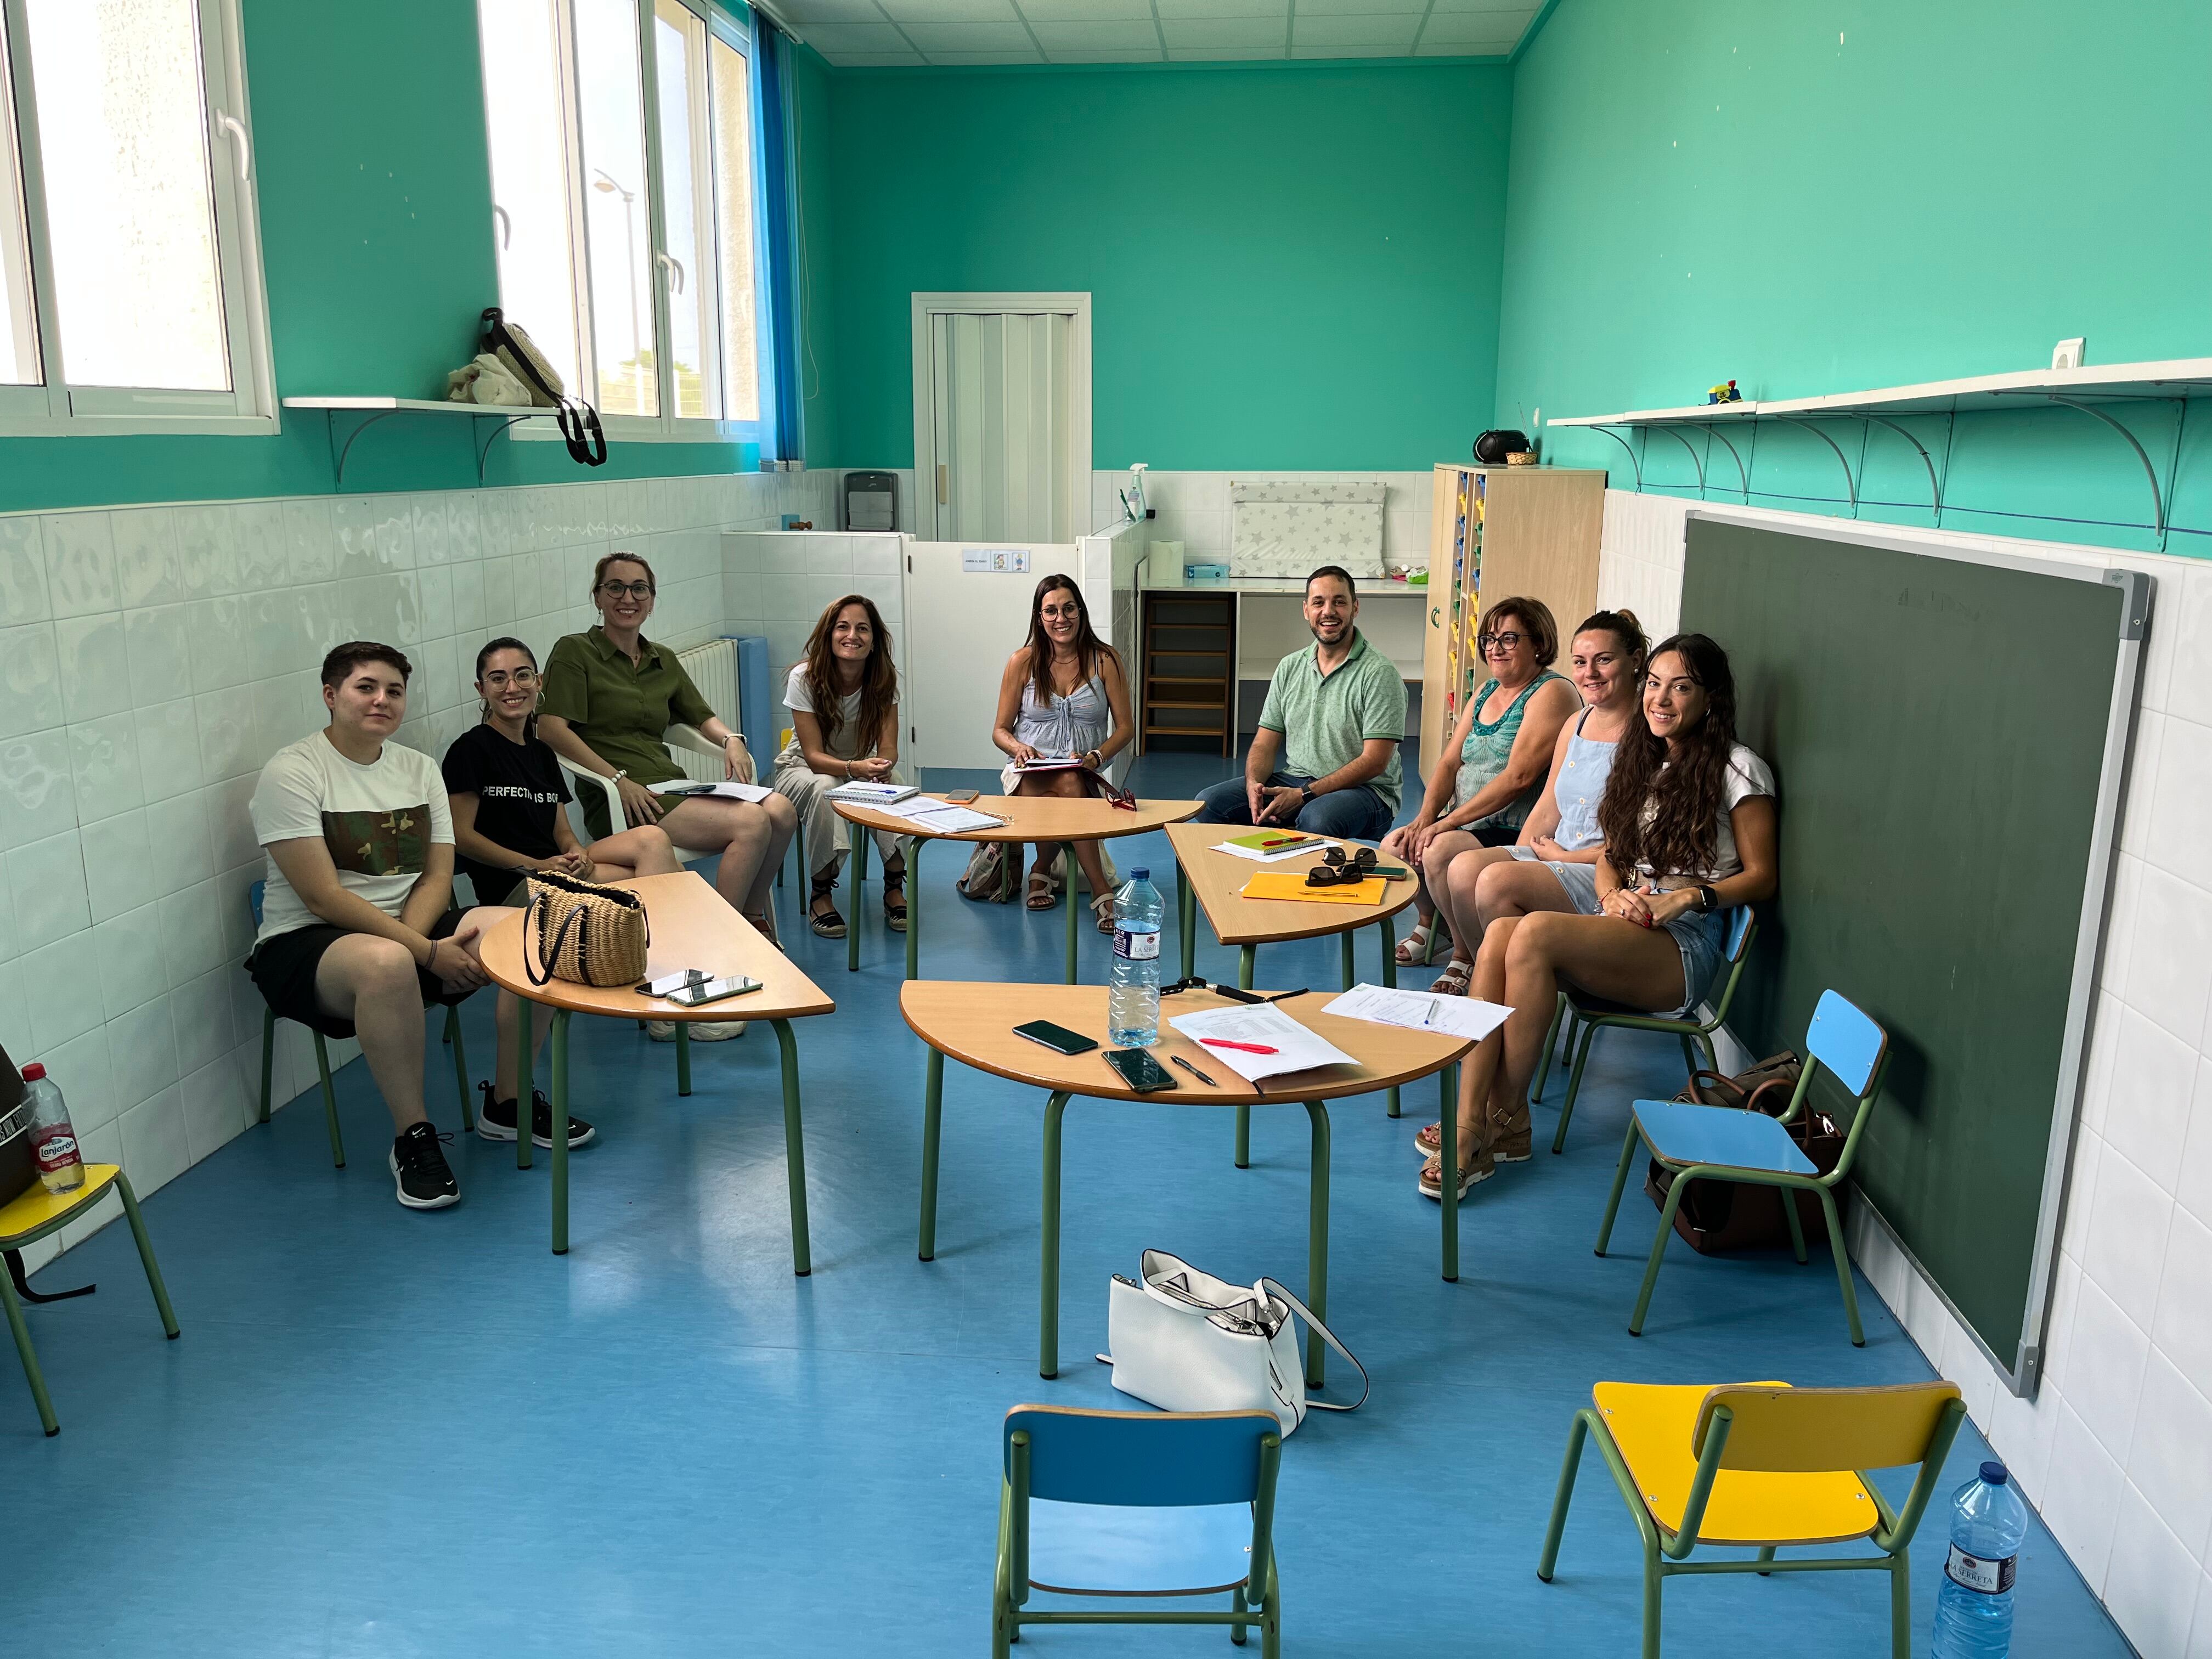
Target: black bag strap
{"x": 578, "y": 420}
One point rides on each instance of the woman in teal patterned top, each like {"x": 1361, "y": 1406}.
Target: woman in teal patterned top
{"x": 1491, "y": 770}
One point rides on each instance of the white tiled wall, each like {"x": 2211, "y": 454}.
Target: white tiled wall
{"x": 775, "y": 584}
{"x": 2116, "y": 1448}
{"x": 151, "y": 659}
{"x": 1192, "y": 508}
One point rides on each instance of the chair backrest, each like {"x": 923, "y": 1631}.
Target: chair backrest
{"x": 1783, "y": 1430}
{"x": 1159, "y": 1459}
{"x": 1847, "y": 1043}
{"x": 253, "y": 895}
{"x": 1743, "y": 922}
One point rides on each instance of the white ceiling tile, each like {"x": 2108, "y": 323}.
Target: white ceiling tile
{"x": 1386, "y": 35}
{"x": 1429, "y": 48}
{"x": 1513, "y": 17}
{"x": 1224, "y": 9}
{"x": 1360, "y": 50}
{"x": 833, "y": 12}
{"x": 1104, "y": 55}
{"x": 1009, "y": 36}
{"x": 1227, "y": 32}
{"x": 876, "y": 59}
{"x": 1352, "y": 7}
{"x": 1065, "y": 11}
{"x": 1097, "y": 37}
{"x": 977, "y": 60}
{"x": 1225, "y": 54}
{"x": 1477, "y": 26}
{"x": 829, "y": 39}
{"x": 949, "y": 11}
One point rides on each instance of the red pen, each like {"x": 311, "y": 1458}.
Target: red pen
{"x": 1248, "y": 1048}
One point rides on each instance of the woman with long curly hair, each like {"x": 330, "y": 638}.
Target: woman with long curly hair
{"x": 1689, "y": 824}
{"x": 843, "y": 699}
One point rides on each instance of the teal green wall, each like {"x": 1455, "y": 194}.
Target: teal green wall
{"x": 817, "y": 364}
{"x": 1291, "y": 266}
{"x": 1859, "y": 194}
{"x": 375, "y": 201}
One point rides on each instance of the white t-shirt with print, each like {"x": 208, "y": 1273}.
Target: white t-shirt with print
{"x": 379, "y": 822}
{"x": 1746, "y": 776}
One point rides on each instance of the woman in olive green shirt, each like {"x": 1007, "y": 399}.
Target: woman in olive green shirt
{"x": 609, "y": 693}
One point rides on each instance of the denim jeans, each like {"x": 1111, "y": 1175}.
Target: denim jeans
{"x": 1354, "y": 814}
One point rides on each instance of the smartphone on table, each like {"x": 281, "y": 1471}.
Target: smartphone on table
{"x": 713, "y": 990}
{"x": 1140, "y": 1070}
{"x": 1058, "y": 1038}
{"x": 960, "y": 797}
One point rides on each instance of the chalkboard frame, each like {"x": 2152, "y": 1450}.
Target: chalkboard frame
{"x": 2022, "y": 1370}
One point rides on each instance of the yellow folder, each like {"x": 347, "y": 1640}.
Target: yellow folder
{"x": 1291, "y": 885}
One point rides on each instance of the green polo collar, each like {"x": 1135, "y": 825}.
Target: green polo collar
{"x": 648, "y": 653}
{"x": 1313, "y": 655}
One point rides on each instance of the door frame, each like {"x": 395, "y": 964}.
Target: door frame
{"x": 1074, "y": 306}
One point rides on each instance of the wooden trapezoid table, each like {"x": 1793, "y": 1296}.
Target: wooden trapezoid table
{"x": 973, "y": 1023}
{"x": 692, "y": 927}
{"x": 1043, "y": 818}
{"x": 1214, "y": 881}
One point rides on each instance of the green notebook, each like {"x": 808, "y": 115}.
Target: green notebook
{"x": 1278, "y": 841}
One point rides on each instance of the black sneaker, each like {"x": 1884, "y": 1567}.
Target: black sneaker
{"x": 419, "y": 1169}
{"x": 496, "y": 1120}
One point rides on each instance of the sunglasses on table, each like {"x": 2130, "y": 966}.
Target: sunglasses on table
{"x": 1233, "y": 992}
{"x": 1335, "y": 870}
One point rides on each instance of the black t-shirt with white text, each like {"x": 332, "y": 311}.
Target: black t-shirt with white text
{"x": 519, "y": 788}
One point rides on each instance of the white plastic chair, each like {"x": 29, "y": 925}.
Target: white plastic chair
{"x": 675, "y": 737}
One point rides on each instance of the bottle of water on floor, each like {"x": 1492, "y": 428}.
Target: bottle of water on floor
{"x": 1133, "y": 1003}
{"x": 1973, "y": 1609}
{"x": 54, "y": 1142}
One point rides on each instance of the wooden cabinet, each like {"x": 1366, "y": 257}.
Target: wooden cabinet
{"x": 1495, "y": 531}
{"x": 1189, "y": 698}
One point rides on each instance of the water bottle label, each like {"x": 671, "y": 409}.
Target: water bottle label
{"x": 57, "y": 1150}
{"x": 1972, "y": 1572}
{"x": 1137, "y": 947}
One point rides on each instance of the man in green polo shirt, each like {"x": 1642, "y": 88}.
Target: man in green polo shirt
{"x": 1334, "y": 718}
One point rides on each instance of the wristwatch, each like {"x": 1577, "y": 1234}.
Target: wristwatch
{"x": 1707, "y": 899}
{"x": 1305, "y": 796}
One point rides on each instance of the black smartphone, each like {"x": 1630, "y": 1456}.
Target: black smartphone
{"x": 1140, "y": 1070}
{"x": 960, "y": 797}
{"x": 1058, "y": 1038}
{"x": 714, "y": 990}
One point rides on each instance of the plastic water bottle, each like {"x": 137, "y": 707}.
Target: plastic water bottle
{"x": 54, "y": 1142}
{"x": 1973, "y": 1609}
{"x": 1133, "y": 1003}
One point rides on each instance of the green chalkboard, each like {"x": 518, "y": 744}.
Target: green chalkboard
{"x": 1939, "y": 730}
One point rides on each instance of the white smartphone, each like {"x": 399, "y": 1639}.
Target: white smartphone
{"x": 714, "y": 990}
{"x": 667, "y": 982}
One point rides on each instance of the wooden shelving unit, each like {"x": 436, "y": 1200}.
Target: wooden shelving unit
{"x": 1190, "y": 672}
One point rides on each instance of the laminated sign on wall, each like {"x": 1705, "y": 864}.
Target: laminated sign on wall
{"x": 1286, "y": 526}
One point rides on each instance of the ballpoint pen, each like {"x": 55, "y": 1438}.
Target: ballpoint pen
{"x": 1231, "y": 1043}
{"x": 1192, "y": 1070}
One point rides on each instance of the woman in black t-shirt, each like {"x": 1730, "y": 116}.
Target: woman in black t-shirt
{"x": 506, "y": 791}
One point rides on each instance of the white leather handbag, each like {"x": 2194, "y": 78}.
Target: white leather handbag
{"x": 1186, "y": 1341}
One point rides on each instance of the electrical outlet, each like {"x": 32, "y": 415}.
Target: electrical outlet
{"x": 2067, "y": 354}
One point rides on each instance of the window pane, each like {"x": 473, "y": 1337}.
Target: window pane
{"x": 530, "y": 177}
{"x": 19, "y": 326}
{"x": 124, "y": 145}
{"x": 734, "y": 221}
{"x": 608, "y": 87}
{"x": 679, "y": 47}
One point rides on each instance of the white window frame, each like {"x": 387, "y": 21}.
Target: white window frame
{"x": 666, "y": 427}
{"x": 54, "y": 409}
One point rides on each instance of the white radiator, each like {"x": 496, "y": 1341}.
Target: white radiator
{"x": 714, "y": 669}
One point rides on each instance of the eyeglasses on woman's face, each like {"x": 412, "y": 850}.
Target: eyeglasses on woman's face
{"x": 1507, "y": 642}
{"x": 636, "y": 590}
{"x": 522, "y": 679}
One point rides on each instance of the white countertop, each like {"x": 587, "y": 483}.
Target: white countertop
{"x": 1370, "y": 587}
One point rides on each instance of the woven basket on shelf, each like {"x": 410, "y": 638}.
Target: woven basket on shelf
{"x": 587, "y": 933}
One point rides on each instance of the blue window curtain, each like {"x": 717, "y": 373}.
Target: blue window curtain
{"x": 771, "y": 72}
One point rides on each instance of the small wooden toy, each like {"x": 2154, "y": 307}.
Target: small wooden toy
{"x": 1725, "y": 394}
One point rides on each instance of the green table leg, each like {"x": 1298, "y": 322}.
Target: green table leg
{"x": 1449, "y": 1099}
{"x": 1344, "y": 940}
{"x": 1389, "y": 926}
{"x": 914, "y": 908}
{"x": 1049, "y": 1271}
{"x": 560, "y": 1047}
{"x": 523, "y": 1008}
{"x": 794, "y": 1149}
{"x": 1186, "y": 918}
{"x": 933, "y": 1114}
{"x": 1067, "y": 853}
{"x": 146, "y": 1255}
{"x": 859, "y": 866}
{"x": 682, "y": 1056}
{"x": 1317, "y": 1239}
{"x": 1245, "y": 1113}
{"x": 29, "y": 1355}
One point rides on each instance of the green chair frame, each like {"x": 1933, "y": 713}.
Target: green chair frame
{"x": 20, "y": 1329}
{"x": 1010, "y": 1590}
{"x": 1665, "y": 1559}
{"x": 453, "y": 1038}
{"x": 1590, "y": 1021}
{"x": 1871, "y": 1069}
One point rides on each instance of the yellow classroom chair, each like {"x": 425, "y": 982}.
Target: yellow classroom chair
{"x": 1763, "y": 1466}
{"x": 29, "y": 1217}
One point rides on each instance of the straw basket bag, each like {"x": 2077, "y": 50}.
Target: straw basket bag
{"x": 587, "y": 933}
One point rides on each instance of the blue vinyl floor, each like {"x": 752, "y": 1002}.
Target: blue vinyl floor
{"x": 423, "y": 1436}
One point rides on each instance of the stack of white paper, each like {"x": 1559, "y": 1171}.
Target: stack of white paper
{"x": 1294, "y": 1047}
{"x": 730, "y": 789}
{"x": 860, "y": 794}
{"x": 940, "y": 818}
{"x": 1419, "y": 1010}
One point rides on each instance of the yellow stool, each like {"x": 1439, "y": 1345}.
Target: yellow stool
{"x": 37, "y": 1212}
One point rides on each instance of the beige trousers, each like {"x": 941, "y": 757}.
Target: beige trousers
{"x": 808, "y": 791}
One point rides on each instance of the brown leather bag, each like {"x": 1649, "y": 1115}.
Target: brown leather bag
{"x": 1716, "y": 1217}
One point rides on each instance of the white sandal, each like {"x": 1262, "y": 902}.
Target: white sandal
{"x": 1457, "y": 977}
{"x": 1418, "y": 947}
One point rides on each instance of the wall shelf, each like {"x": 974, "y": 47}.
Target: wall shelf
{"x": 2175, "y": 381}
{"x": 373, "y": 409}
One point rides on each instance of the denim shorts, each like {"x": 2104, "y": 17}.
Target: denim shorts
{"x": 1579, "y": 879}
{"x": 1702, "y": 938}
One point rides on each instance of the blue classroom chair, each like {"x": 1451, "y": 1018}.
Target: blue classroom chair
{"x": 1720, "y": 1143}
{"x": 1594, "y": 1013}
{"x": 1138, "y": 1503}
{"x": 323, "y": 1057}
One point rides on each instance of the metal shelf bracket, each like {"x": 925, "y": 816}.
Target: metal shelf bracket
{"x": 1849, "y": 483}
{"x": 500, "y": 424}
{"x": 1675, "y": 432}
{"x": 2157, "y": 503}
{"x": 1934, "y": 490}
{"x": 1743, "y": 478}
{"x": 1636, "y": 465}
